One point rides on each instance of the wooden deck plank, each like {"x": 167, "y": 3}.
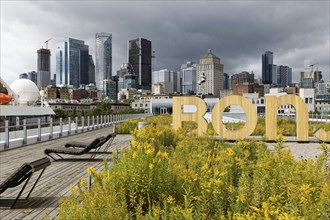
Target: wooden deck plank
{"x": 57, "y": 179}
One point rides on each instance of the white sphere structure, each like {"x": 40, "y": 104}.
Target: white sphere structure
{"x": 26, "y": 91}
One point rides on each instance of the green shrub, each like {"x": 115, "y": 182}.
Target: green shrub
{"x": 178, "y": 175}
{"x": 127, "y": 127}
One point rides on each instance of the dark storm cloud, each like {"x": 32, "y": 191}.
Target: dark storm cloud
{"x": 237, "y": 32}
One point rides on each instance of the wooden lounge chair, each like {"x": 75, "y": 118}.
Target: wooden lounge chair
{"x": 22, "y": 174}
{"x": 75, "y": 151}
{"x": 108, "y": 139}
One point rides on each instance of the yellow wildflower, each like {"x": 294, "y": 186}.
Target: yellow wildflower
{"x": 217, "y": 182}
{"x": 230, "y": 152}
{"x": 255, "y": 209}
{"x": 134, "y": 154}
{"x": 150, "y": 151}
{"x": 134, "y": 143}
{"x": 98, "y": 174}
{"x": 197, "y": 198}
{"x": 240, "y": 198}
{"x": 170, "y": 200}
{"x": 83, "y": 182}
{"x": 165, "y": 154}
{"x": 151, "y": 166}
{"x": 90, "y": 170}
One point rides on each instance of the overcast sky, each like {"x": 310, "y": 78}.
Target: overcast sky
{"x": 236, "y": 31}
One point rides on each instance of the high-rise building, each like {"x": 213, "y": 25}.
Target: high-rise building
{"x": 322, "y": 88}
{"x": 23, "y": 76}
{"x": 226, "y": 81}
{"x": 268, "y": 68}
{"x": 210, "y": 66}
{"x": 307, "y": 83}
{"x": 103, "y": 58}
{"x": 43, "y": 68}
{"x": 91, "y": 69}
{"x": 140, "y": 57}
{"x": 161, "y": 76}
{"x": 274, "y": 73}
{"x": 176, "y": 80}
{"x": 125, "y": 69}
{"x": 72, "y": 63}
{"x": 315, "y": 75}
{"x": 127, "y": 82}
{"x": 127, "y": 78}
{"x": 167, "y": 76}
{"x": 188, "y": 76}
{"x": 109, "y": 89}
{"x": 243, "y": 77}
{"x": 32, "y": 75}
{"x": 284, "y": 74}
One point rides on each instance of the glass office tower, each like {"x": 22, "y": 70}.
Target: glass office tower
{"x": 72, "y": 63}
{"x": 103, "y": 58}
{"x": 140, "y": 56}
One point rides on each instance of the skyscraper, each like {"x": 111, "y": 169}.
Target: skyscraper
{"x": 176, "y": 80}
{"x": 188, "y": 76}
{"x": 285, "y": 76}
{"x": 126, "y": 77}
{"x": 33, "y": 76}
{"x": 225, "y": 81}
{"x": 161, "y": 76}
{"x": 91, "y": 70}
{"x": 268, "y": 68}
{"x": 210, "y": 66}
{"x": 109, "y": 89}
{"x": 43, "y": 68}
{"x": 167, "y": 76}
{"x": 72, "y": 62}
{"x": 139, "y": 56}
{"x": 103, "y": 58}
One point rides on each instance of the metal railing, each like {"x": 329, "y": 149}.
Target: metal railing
{"x": 16, "y": 136}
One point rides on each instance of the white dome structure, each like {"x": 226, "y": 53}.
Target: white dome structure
{"x": 26, "y": 91}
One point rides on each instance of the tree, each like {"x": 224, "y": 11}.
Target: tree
{"x": 60, "y": 113}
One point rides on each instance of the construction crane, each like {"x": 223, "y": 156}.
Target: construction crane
{"x": 46, "y": 42}
{"x": 312, "y": 65}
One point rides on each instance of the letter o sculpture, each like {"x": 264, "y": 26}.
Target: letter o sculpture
{"x": 250, "y": 112}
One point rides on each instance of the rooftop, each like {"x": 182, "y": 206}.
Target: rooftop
{"x": 210, "y": 55}
{"x": 57, "y": 178}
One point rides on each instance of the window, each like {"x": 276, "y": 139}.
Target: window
{"x": 306, "y": 100}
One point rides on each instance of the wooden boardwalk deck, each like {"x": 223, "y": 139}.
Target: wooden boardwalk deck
{"x": 57, "y": 178}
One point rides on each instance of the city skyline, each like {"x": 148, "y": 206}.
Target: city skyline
{"x": 238, "y": 32}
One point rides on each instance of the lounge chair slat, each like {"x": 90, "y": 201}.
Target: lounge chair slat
{"x": 72, "y": 151}
{"x": 22, "y": 174}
